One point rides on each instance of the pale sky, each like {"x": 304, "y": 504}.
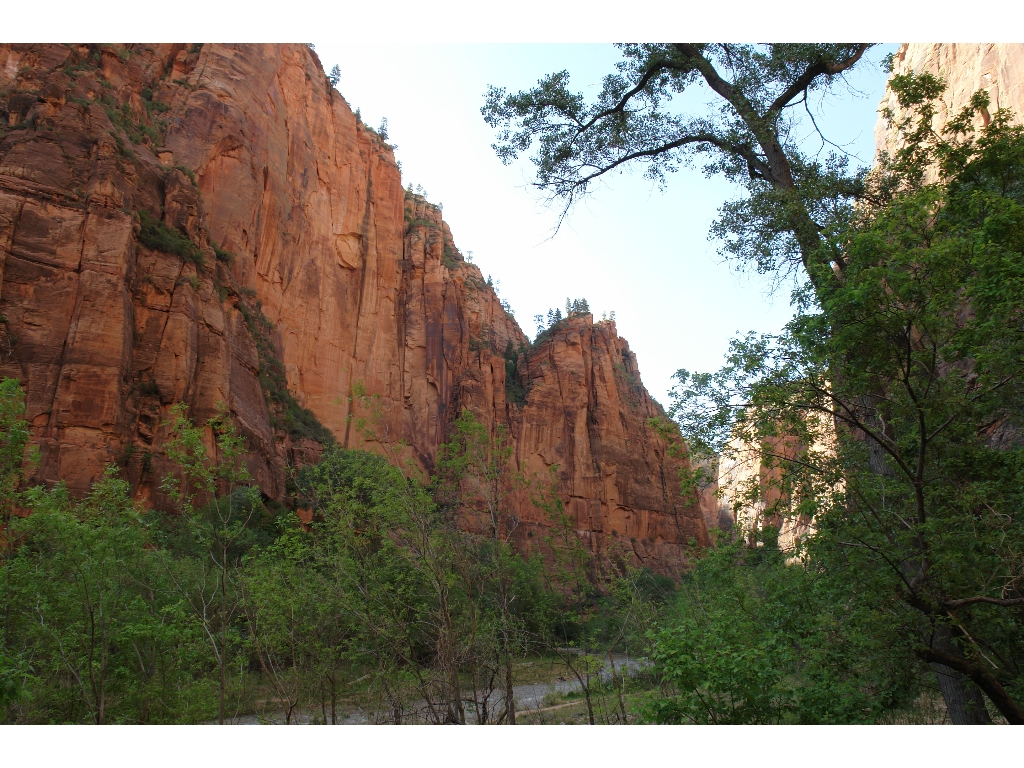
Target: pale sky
{"x": 629, "y": 248}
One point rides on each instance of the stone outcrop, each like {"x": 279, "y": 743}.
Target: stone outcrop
{"x": 751, "y": 490}
{"x": 587, "y": 412}
{"x": 212, "y": 224}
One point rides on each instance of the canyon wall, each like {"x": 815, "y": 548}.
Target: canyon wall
{"x": 211, "y": 224}
{"x": 997, "y": 68}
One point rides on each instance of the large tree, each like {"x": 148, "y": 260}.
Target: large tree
{"x": 761, "y": 90}
{"x": 904, "y": 386}
{"x": 794, "y": 208}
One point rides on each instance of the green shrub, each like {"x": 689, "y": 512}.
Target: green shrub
{"x": 158, "y": 236}
{"x": 226, "y": 256}
{"x": 122, "y": 117}
{"x": 285, "y": 411}
{"x": 515, "y": 392}
{"x": 188, "y": 172}
{"x": 450, "y": 258}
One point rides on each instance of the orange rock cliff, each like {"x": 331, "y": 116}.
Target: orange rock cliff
{"x": 211, "y": 224}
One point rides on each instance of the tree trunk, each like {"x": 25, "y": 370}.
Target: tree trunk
{"x": 617, "y": 682}
{"x": 223, "y": 632}
{"x": 963, "y": 699}
{"x": 334, "y": 701}
{"x": 510, "y": 698}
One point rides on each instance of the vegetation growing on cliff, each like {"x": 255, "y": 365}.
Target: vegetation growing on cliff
{"x": 515, "y": 390}
{"x": 158, "y": 236}
{"x": 545, "y": 325}
{"x": 285, "y": 411}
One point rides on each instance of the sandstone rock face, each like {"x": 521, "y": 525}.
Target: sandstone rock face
{"x": 587, "y": 412}
{"x": 751, "y": 491}
{"x": 997, "y": 68}
{"x": 296, "y": 210}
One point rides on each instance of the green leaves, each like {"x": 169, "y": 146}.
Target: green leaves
{"x": 788, "y": 199}
{"x": 898, "y": 388}
{"x": 158, "y": 236}
{"x": 754, "y": 640}
{"x": 89, "y": 612}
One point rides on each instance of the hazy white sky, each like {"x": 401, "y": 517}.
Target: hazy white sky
{"x": 629, "y": 248}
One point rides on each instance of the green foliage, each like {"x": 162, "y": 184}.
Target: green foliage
{"x": 14, "y": 435}
{"x": 573, "y": 308}
{"x": 158, "y": 236}
{"x": 515, "y": 391}
{"x": 226, "y": 256}
{"x": 217, "y": 533}
{"x": 749, "y": 136}
{"x": 151, "y": 105}
{"x": 900, "y": 388}
{"x": 754, "y": 641}
{"x": 285, "y": 409}
{"x": 412, "y": 222}
{"x": 450, "y": 258}
{"x": 15, "y": 675}
{"x": 138, "y": 132}
{"x": 188, "y": 172}
{"x": 97, "y": 633}
{"x": 115, "y": 616}
{"x": 123, "y": 151}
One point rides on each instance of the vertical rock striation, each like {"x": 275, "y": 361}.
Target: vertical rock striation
{"x": 184, "y": 223}
{"x": 997, "y": 68}
{"x": 587, "y": 413}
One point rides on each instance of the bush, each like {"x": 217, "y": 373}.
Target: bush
{"x": 515, "y": 392}
{"x": 158, "y": 236}
{"x": 285, "y": 409}
{"x": 226, "y": 256}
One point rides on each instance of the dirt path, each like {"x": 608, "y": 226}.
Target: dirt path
{"x": 529, "y": 699}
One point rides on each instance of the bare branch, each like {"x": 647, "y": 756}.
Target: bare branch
{"x": 815, "y": 71}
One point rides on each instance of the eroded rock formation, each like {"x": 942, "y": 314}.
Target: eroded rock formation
{"x": 184, "y": 223}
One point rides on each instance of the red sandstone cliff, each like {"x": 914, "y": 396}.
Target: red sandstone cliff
{"x": 247, "y": 151}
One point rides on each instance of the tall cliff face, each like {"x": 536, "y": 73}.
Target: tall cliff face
{"x": 997, "y": 68}
{"x": 295, "y": 243}
{"x": 587, "y": 412}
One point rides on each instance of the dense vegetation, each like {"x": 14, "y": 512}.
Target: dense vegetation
{"x": 158, "y": 236}
{"x": 116, "y": 614}
{"x": 903, "y": 388}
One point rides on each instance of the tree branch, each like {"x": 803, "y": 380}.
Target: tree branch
{"x": 1009, "y": 708}
{"x": 700, "y": 138}
{"x": 649, "y": 75}
{"x": 1005, "y": 603}
{"x": 814, "y": 71}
